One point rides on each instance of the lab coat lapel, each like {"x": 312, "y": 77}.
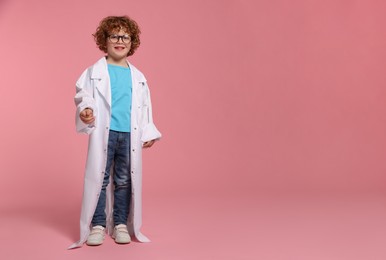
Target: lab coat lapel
{"x": 101, "y": 79}
{"x": 138, "y": 81}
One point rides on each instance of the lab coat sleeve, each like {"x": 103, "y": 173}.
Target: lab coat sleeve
{"x": 84, "y": 98}
{"x": 149, "y": 131}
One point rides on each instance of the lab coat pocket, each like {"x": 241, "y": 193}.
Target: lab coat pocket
{"x": 141, "y": 93}
{"x": 143, "y": 106}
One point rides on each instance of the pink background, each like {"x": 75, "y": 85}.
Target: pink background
{"x": 273, "y": 116}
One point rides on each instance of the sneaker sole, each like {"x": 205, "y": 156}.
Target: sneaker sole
{"x": 122, "y": 242}
{"x": 93, "y": 244}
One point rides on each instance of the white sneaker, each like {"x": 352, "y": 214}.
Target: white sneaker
{"x": 121, "y": 235}
{"x": 96, "y": 237}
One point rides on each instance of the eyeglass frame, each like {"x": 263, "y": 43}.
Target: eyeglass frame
{"x": 120, "y": 37}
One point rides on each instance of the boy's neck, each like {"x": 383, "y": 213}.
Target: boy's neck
{"x": 120, "y": 62}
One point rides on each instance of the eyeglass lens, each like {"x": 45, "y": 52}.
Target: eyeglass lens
{"x": 115, "y": 38}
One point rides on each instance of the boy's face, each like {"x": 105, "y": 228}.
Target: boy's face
{"x": 118, "y": 44}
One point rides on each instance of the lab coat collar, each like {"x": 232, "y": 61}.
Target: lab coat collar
{"x": 100, "y": 71}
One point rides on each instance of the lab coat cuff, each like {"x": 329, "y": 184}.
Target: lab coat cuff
{"x": 82, "y": 127}
{"x": 150, "y": 132}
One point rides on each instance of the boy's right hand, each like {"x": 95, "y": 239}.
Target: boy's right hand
{"x": 87, "y": 116}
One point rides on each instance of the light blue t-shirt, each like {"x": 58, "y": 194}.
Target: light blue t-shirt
{"x": 121, "y": 84}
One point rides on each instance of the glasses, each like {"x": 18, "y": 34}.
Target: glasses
{"x": 115, "y": 38}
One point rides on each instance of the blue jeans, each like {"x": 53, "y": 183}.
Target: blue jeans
{"x": 119, "y": 153}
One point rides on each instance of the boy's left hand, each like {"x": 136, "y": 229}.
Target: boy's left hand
{"x": 148, "y": 144}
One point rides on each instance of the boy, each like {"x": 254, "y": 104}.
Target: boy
{"x": 114, "y": 108}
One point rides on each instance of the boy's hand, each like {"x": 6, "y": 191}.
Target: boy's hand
{"x": 148, "y": 144}
{"x": 87, "y": 116}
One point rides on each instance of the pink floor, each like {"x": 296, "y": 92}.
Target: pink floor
{"x": 277, "y": 227}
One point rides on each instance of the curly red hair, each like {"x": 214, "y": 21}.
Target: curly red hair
{"x": 115, "y": 23}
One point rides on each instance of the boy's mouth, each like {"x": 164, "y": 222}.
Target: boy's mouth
{"x": 119, "y": 48}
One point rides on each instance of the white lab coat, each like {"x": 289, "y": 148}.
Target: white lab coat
{"x": 93, "y": 91}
